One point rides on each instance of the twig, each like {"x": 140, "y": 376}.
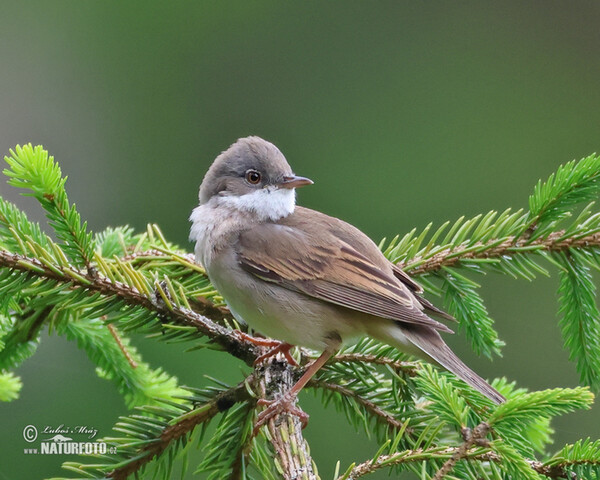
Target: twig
{"x": 144, "y": 255}
{"x": 200, "y": 305}
{"x": 406, "y": 456}
{"x": 471, "y": 438}
{"x": 451, "y": 256}
{"x": 371, "y": 407}
{"x": 285, "y": 430}
{"x": 117, "y": 337}
{"x": 559, "y": 470}
{"x": 474, "y": 453}
{"x": 220, "y": 403}
{"x": 408, "y": 367}
{"x": 131, "y": 296}
{"x": 51, "y": 198}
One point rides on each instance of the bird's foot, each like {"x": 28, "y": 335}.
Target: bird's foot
{"x": 284, "y": 404}
{"x": 280, "y": 347}
{"x": 276, "y": 347}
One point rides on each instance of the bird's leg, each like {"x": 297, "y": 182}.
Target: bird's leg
{"x": 282, "y": 347}
{"x": 285, "y": 403}
{"x": 276, "y": 347}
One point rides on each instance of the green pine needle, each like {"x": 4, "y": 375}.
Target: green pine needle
{"x": 10, "y": 386}
{"x": 447, "y": 404}
{"x": 579, "y": 460}
{"x": 512, "y": 463}
{"x": 572, "y": 184}
{"x": 224, "y": 449}
{"x": 580, "y": 318}
{"x": 137, "y": 382}
{"x": 464, "y": 303}
{"x": 32, "y": 169}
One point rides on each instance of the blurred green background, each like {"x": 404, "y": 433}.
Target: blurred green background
{"x": 402, "y": 113}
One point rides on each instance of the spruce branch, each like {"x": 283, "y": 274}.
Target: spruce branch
{"x": 292, "y": 453}
{"x": 160, "y": 258}
{"x": 437, "y": 453}
{"x": 178, "y": 428}
{"x": 373, "y": 399}
{"x": 20, "y": 337}
{"x": 551, "y": 201}
{"x": 558, "y": 469}
{"x": 477, "y": 447}
{"x": 476, "y": 436}
{"x": 122, "y": 347}
{"x": 463, "y": 301}
{"x": 32, "y": 169}
{"x": 372, "y": 408}
{"x": 581, "y": 459}
{"x": 135, "y": 380}
{"x": 410, "y": 368}
{"x": 231, "y": 461}
{"x": 580, "y": 322}
{"x": 76, "y": 278}
{"x": 450, "y": 257}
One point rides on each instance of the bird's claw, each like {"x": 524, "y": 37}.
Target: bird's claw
{"x": 283, "y": 404}
{"x": 281, "y": 347}
{"x": 276, "y": 347}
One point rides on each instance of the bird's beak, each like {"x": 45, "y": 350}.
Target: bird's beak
{"x": 294, "y": 181}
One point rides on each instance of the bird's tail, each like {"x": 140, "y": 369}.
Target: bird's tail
{"x": 430, "y": 345}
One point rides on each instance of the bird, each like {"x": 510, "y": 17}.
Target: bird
{"x": 305, "y": 278}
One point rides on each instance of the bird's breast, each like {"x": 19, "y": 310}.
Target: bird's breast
{"x": 213, "y": 230}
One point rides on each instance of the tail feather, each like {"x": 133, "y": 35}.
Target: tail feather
{"x": 427, "y": 343}
{"x": 432, "y": 344}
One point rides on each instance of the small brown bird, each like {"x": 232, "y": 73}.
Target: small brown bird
{"x": 303, "y": 277}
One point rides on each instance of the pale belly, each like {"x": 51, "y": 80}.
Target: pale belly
{"x": 280, "y": 313}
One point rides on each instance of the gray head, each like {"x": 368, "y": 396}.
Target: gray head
{"x": 250, "y": 165}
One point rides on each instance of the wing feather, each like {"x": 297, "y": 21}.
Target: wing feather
{"x": 322, "y": 265}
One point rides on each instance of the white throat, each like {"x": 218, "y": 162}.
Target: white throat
{"x": 269, "y": 203}
{"x": 212, "y": 220}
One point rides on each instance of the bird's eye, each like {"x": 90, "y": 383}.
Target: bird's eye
{"x": 253, "y": 177}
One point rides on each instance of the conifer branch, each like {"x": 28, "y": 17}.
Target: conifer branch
{"x": 200, "y": 304}
{"x": 583, "y": 458}
{"x": 378, "y": 413}
{"x": 119, "y": 341}
{"x": 409, "y": 368}
{"x": 31, "y": 168}
{"x": 554, "y": 471}
{"x": 181, "y": 427}
{"x": 95, "y": 283}
{"x": 293, "y": 459}
{"x": 476, "y": 447}
{"x": 476, "y": 436}
{"x": 450, "y": 257}
{"x": 412, "y": 456}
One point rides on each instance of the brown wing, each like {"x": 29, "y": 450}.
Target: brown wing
{"x": 404, "y": 278}
{"x": 417, "y": 290}
{"x": 322, "y": 260}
